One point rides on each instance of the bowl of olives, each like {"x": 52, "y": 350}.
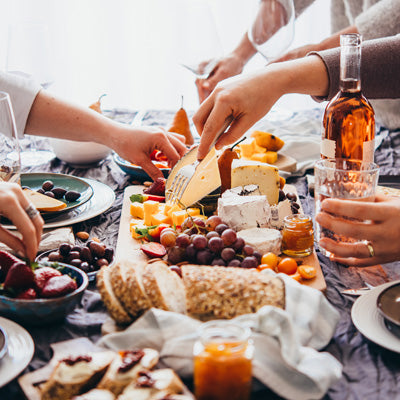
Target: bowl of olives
{"x": 88, "y": 257}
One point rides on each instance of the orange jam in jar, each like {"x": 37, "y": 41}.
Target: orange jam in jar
{"x": 297, "y": 235}
{"x": 222, "y": 362}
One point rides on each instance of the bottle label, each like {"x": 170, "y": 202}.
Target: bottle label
{"x": 328, "y": 148}
{"x": 368, "y": 150}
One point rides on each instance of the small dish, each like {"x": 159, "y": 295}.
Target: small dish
{"x": 137, "y": 173}
{"x": 3, "y": 343}
{"x": 388, "y": 304}
{"x": 41, "y": 312}
{"x": 79, "y": 154}
{"x": 34, "y": 181}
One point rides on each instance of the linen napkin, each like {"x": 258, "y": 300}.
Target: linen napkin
{"x": 286, "y": 342}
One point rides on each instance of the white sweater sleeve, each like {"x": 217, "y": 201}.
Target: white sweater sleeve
{"x": 22, "y": 92}
{"x": 380, "y": 20}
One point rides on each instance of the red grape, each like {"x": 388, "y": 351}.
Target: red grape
{"x": 183, "y": 240}
{"x": 168, "y": 238}
{"x": 234, "y": 263}
{"x": 249, "y": 262}
{"x": 187, "y": 223}
{"x": 176, "y": 255}
{"x": 220, "y": 228}
{"x": 199, "y": 242}
{"x": 239, "y": 244}
{"x": 204, "y": 257}
{"x": 212, "y": 222}
{"x": 216, "y": 244}
{"x": 199, "y": 222}
{"x": 257, "y": 256}
{"x": 191, "y": 253}
{"x": 228, "y": 236}
{"x": 248, "y": 250}
{"x": 211, "y": 234}
{"x": 228, "y": 254}
{"x": 220, "y": 262}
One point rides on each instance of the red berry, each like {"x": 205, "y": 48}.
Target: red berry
{"x": 28, "y": 294}
{"x": 19, "y": 276}
{"x": 6, "y": 261}
{"x": 153, "y": 250}
{"x": 42, "y": 275}
{"x": 59, "y": 286}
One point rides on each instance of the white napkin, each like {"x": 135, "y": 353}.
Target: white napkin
{"x": 286, "y": 342}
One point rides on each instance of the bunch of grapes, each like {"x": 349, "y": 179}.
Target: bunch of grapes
{"x": 209, "y": 242}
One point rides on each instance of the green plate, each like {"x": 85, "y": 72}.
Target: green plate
{"x": 35, "y": 180}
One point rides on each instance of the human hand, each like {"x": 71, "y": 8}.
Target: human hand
{"x": 136, "y": 146}
{"x": 13, "y": 204}
{"x": 375, "y": 223}
{"x": 226, "y": 67}
{"x": 243, "y": 99}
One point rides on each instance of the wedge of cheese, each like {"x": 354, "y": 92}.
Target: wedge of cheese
{"x": 43, "y": 202}
{"x": 247, "y": 172}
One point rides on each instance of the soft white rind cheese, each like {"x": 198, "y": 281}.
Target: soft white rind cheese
{"x": 266, "y": 176}
{"x": 263, "y": 240}
{"x": 248, "y": 190}
{"x": 242, "y": 212}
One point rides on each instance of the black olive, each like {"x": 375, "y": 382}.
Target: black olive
{"x": 282, "y": 195}
{"x": 49, "y": 194}
{"x": 47, "y": 186}
{"x": 71, "y": 195}
{"x": 64, "y": 249}
{"x": 58, "y": 192}
{"x": 291, "y": 196}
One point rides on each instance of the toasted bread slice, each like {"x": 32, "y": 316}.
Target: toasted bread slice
{"x": 126, "y": 281}
{"x": 96, "y": 394}
{"x": 43, "y": 202}
{"x": 126, "y": 367}
{"x": 164, "y": 287}
{"x": 73, "y": 376}
{"x": 226, "y": 292}
{"x": 114, "y": 307}
{"x": 135, "y": 393}
{"x": 165, "y": 395}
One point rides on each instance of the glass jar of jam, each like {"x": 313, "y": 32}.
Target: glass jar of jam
{"x": 297, "y": 235}
{"x": 222, "y": 362}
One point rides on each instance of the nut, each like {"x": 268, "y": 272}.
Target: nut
{"x": 147, "y": 183}
{"x": 82, "y": 235}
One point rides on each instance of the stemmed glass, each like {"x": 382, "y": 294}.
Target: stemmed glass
{"x": 272, "y": 28}
{"x": 10, "y": 168}
{"x": 29, "y": 56}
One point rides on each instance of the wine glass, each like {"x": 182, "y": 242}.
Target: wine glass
{"x": 29, "y": 56}
{"x": 272, "y": 28}
{"x": 200, "y": 44}
{"x": 10, "y": 168}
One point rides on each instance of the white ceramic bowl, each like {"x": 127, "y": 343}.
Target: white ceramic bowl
{"x": 79, "y": 153}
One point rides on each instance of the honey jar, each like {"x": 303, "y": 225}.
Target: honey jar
{"x": 297, "y": 235}
{"x": 222, "y": 362}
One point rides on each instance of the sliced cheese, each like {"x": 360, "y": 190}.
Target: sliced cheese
{"x": 43, "y": 202}
{"x": 150, "y": 207}
{"x": 263, "y": 240}
{"x": 247, "y": 172}
{"x": 137, "y": 210}
{"x": 160, "y": 218}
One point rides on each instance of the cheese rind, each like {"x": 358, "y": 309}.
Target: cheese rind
{"x": 279, "y": 212}
{"x": 263, "y": 240}
{"x": 246, "y": 172}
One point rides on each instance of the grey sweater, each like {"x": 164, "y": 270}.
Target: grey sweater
{"x": 373, "y": 19}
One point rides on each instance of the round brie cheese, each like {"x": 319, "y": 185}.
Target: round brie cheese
{"x": 263, "y": 240}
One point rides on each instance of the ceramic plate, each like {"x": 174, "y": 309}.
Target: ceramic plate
{"x": 369, "y": 321}
{"x": 20, "y": 351}
{"x": 3, "y": 342}
{"x": 102, "y": 199}
{"x": 136, "y": 172}
{"x": 35, "y": 180}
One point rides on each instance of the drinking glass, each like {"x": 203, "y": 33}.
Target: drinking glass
{"x": 10, "y": 168}
{"x": 272, "y": 28}
{"x": 29, "y": 56}
{"x": 343, "y": 179}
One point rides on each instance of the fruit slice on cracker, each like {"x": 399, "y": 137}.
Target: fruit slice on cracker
{"x": 43, "y": 202}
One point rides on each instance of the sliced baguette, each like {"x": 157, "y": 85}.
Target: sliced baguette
{"x": 68, "y": 380}
{"x": 110, "y": 300}
{"x": 165, "y": 395}
{"x": 126, "y": 281}
{"x": 116, "y": 380}
{"x": 96, "y": 394}
{"x": 43, "y": 202}
{"x": 226, "y": 292}
{"x": 164, "y": 287}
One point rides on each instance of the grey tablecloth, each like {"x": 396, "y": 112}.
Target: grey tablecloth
{"x": 370, "y": 372}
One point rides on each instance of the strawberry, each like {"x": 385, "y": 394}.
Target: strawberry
{"x": 6, "y": 261}
{"x": 157, "y": 187}
{"x": 20, "y": 276}
{"x": 28, "y": 294}
{"x": 42, "y": 275}
{"x": 153, "y": 250}
{"x": 59, "y": 286}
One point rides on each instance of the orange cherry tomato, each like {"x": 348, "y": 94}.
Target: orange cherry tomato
{"x": 296, "y": 276}
{"x": 307, "y": 271}
{"x": 270, "y": 259}
{"x": 261, "y": 267}
{"x": 287, "y": 265}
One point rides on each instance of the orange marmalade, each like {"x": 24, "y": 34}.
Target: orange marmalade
{"x": 297, "y": 235}
{"x": 222, "y": 362}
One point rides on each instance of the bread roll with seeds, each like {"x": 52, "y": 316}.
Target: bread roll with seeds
{"x": 226, "y": 292}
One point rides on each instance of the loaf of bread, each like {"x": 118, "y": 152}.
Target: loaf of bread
{"x": 76, "y": 375}
{"x": 226, "y": 292}
{"x": 164, "y": 287}
{"x": 96, "y": 394}
{"x": 110, "y": 300}
{"x": 126, "y": 367}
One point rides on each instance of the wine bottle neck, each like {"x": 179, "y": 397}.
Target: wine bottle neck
{"x": 350, "y": 63}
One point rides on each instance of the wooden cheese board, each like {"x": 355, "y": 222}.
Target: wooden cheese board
{"x": 286, "y": 163}
{"x": 31, "y": 382}
{"x": 129, "y": 248}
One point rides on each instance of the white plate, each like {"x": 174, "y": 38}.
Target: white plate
{"x": 102, "y": 199}
{"x": 370, "y": 323}
{"x": 20, "y": 351}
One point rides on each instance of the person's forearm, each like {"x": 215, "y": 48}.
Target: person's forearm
{"x": 245, "y": 50}
{"x": 334, "y": 40}
{"x": 52, "y": 117}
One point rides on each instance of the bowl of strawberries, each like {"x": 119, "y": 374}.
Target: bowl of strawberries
{"x": 39, "y": 293}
